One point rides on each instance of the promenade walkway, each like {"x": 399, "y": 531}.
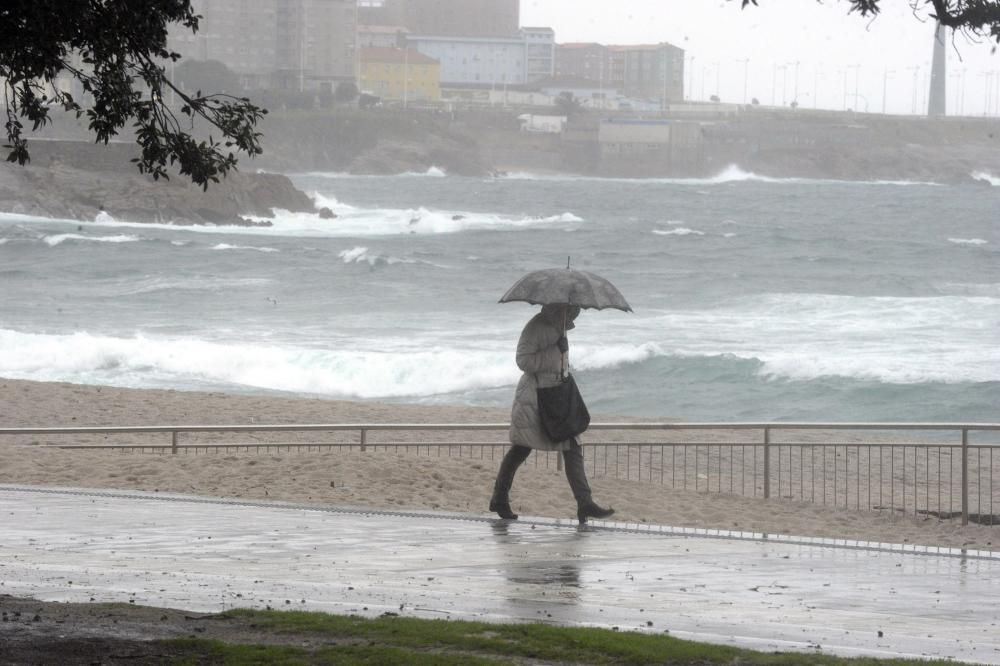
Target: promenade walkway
{"x": 775, "y": 593}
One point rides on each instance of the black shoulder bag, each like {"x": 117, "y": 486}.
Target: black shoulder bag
{"x": 562, "y": 411}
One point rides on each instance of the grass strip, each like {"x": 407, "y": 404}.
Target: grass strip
{"x": 405, "y": 640}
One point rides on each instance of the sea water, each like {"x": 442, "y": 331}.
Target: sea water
{"x": 754, "y": 298}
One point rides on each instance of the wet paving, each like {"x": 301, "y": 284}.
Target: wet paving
{"x": 783, "y": 593}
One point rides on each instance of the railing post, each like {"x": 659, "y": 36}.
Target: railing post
{"x": 965, "y": 476}
{"x": 173, "y": 442}
{"x": 364, "y": 439}
{"x": 559, "y": 460}
{"x": 767, "y": 462}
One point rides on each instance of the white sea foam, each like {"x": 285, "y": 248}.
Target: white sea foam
{"x": 352, "y": 222}
{"x": 58, "y": 239}
{"x": 148, "y": 285}
{"x": 986, "y": 177}
{"x": 967, "y": 241}
{"x": 3, "y": 241}
{"x": 362, "y": 255}
{"x": 144, "y": 361}
{"x": 371, "y": 369}
{"x": 431, "y": 172}
{"x": 807, "y": 336}
{"x": 679, "y": 231}
{"x": 227, "y": 246}
{"x": 605, "y": 357}
{"x": 731, "y": 174}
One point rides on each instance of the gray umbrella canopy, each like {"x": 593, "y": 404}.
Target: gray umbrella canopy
{"x": 566, "y": 285}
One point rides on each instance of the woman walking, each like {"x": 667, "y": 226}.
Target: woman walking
{"x": 539, "y": 356}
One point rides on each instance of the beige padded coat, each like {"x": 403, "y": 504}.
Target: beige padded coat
{"x": 540, "y": 360}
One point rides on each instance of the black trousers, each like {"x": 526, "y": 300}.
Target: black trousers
{"x": 576, "y": 473}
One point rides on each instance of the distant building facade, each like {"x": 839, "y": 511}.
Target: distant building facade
{"x": 489, "y": 62}
{"x": 400, "y": 74}
{"x": 492, "y": 62}
{"x": 452, "y": 18}
{"x": 285, "y": 44}
{"x": 654, "y": 72}
{"x": 539, "y": 53}
{"x": 582, "y": 60}
{"x": 649, "y": 72}
{"x": 383, "y": 36}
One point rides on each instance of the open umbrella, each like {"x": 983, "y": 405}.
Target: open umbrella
{"x": 568, "y": 286}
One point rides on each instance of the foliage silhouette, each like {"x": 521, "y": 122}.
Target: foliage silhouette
{"x": 116, "y": 52}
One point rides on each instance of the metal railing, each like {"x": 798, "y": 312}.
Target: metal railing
{"x": 932, "y": 469}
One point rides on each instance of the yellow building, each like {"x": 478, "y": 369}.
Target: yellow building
{"x": 400, "y": 74}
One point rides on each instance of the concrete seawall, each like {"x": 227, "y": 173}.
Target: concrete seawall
{"x": 772, "y": 142}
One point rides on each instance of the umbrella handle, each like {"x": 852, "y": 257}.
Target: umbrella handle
{"x": 564, "y": 355}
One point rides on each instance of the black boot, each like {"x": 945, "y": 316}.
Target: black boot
{"x": 590, "y": 509}
{"x": 500, "y": 501}
{"x": 501, "y": 506}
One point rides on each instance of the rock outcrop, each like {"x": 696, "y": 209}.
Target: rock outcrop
{"x": 63, "y": 191}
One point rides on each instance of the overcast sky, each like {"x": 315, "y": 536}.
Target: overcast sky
{"x": 842, "y": 60}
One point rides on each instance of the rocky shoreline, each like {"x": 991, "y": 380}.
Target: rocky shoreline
{"x": 67, "y": 192}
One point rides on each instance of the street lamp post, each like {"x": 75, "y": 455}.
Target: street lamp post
{"x": 961, "y": 105}
{"x": 996, "y": 92}
{"x": 913, "y": 99}
{"x": 817, "y": 73}
{"x": 953, "y": 75}
{"x": 857, "y": 77}
{"x": 885, "y": 78}
{"x": 857, "y": 69}
{"x": 987, "y": 76}
{"x": 796, "y": 82}
{"x": 784, "y": 84}
{"x": 746, "y": 76}
{"x": 925, "y": 88}
{"x": 774, "y": 82}
{"x": 691, "y": 81}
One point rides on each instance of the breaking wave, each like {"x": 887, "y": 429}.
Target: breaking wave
{"x": 351, "y": 222}
{"x": 679, "y": 231}
{"x": 227, "y": 246}
{"x": 985, "y": 177}
{"x": 58, "y": 239}
{"x": 730, "y": 174}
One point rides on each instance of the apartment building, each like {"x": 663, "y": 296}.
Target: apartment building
{"x": 400, "y": 74}
{"x": 652, "y": 72}
{"x": 305, "y": 45}
{"x": 445, "y": 18}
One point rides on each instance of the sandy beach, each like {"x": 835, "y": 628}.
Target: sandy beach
{"x": 377, "y": 478}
